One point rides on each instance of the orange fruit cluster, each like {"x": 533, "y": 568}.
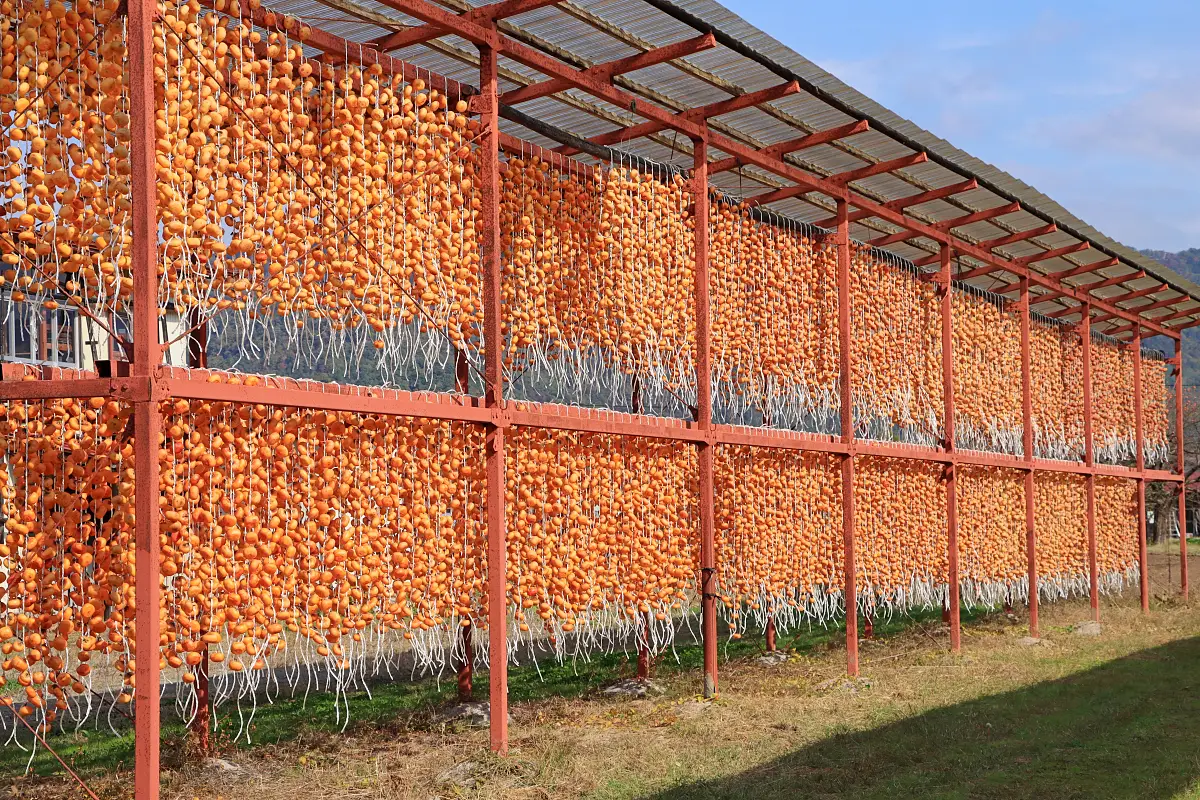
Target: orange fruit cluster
{"x": 897, "y": 359}
{"x": 278, "y": 525}
{"x": 601, "y": 535}
{"x": 598, "y": 279}
{"x": 900, "y": 533}
{"x": 1116, "y": 533}
{"x": 64, "y": 153}
{"x": 287, "y": 189}
{"x": 1060, "y": 523}
{"x": 1156, "y": 417}
{"x": 992, "y": 563}
{"x": 987, "y": 375}
{"x": 1112, "y": 403}
{"x": 778, "y": 525}
{"x": 1056, "y": 383}
{"x": 774, "y": 321}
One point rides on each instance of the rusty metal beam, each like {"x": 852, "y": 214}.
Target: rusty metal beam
{"x": 607, "y": 70}
{"x": 1084, "y": 269}
{"x": 793, "y": 145}
{"x": 482, "y": 15}
{"x": 871, "y": 170}
{"x": 1019, "y": 236}
{"x": 701, "y": 113}
{"x": 1057, "y": 252}
{"x": 978, "y": 216}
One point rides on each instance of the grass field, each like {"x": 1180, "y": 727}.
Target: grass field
{"x": 1111, "y": 716}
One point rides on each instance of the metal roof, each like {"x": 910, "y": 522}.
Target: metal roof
{"x": 583, "y": 33}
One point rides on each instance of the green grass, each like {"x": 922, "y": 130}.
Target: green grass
{"x": 1128, "y": 728}
{"x": 391, "y": 706}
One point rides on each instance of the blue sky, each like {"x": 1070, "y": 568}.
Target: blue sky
{"x": 1094, "y": 102}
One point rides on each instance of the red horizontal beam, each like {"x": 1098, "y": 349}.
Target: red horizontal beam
{"x": 1170, "y": 301}
{"x": 912, "y": 200}
{"x": 481, "y": 16}
{"x": 1019, "y": 236}
{"x": 878, "y": 169}
{"x": 1129, "y": 276}
{"x": 607, "y": 70}
{"x": 285, "y": 392}
{"x": 1139, "y": 293}
{"x": 1055, "y": 253}
{"x": 650, "y": 127}
{"x": 793, "y": 145}
{"x": 1084, "y": 269}
{"x": 891, "y": 238}
{"x": 979, "y": 216}
{"x": 986, "y": 269}
{"x": 1065, "y": 311}
{"x": 779, "y": 194}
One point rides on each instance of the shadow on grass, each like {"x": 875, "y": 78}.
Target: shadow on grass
{"x": 1127, "y": 729}
{"x": 391, "y": 707}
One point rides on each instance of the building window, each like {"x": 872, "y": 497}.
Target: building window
{"x": 33, "y": 334}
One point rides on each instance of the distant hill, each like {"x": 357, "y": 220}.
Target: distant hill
{"x": 1187, "y": 264}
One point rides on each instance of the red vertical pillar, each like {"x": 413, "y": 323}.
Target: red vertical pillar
{"x": 1089, "y": 459}
{"x": 1027, "y": 450}
{"x": 1140, "y": 460}
{"x": 708, "y": 549}
{"x": 147, "y": 356}
{"x": 202, "y": 723}
{"x": 952, "y": 578}
{"x": 466, "y": 668}
{"x": 845, "y": 375}
{"x": 1179, "y": 468}
{"x": 489, "y": 107}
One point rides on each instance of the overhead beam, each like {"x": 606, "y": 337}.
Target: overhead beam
{"x": 650, "y": 127}
{"x": 880, "y": 168}
{"x": 1083, "y": 269}
{"x": 1162, "y": 287}
{"x": 986, "y": 269}
{"x": 892, "y": 238}
{"x": 1019, "y": 236}
{"x": 912, "y": 200}
{"x": 607, "y": 70}
{"x": 1055, "y": 253}
{"x": 479, "y": 16}
{"x": 978, "y": 216}
{"x": 793, "y": 145}
{"x": 1170, "y": 301}
{"x": 1131, "y": 276}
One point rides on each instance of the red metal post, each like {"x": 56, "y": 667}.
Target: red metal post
{"x": 845, "y": 376}
{"x": 1089, "y": 459}
{"x": 466, "y": 668}
{"x": 1027, "y": 450}
{"x": 1179, "y": 467}
{"x": 197, "y": 355}
{"x": 708, "y": 549}
{"x": 489, "y": 108}
{"x": 1140, "y": 460}
{"x": 952, "y": 581}
{"x": 147, "y": 356}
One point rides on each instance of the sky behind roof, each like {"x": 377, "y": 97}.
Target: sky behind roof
{"x": 1095, "y": 103}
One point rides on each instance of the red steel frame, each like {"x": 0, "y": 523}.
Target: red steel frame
{"x": 149, "y": 382}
